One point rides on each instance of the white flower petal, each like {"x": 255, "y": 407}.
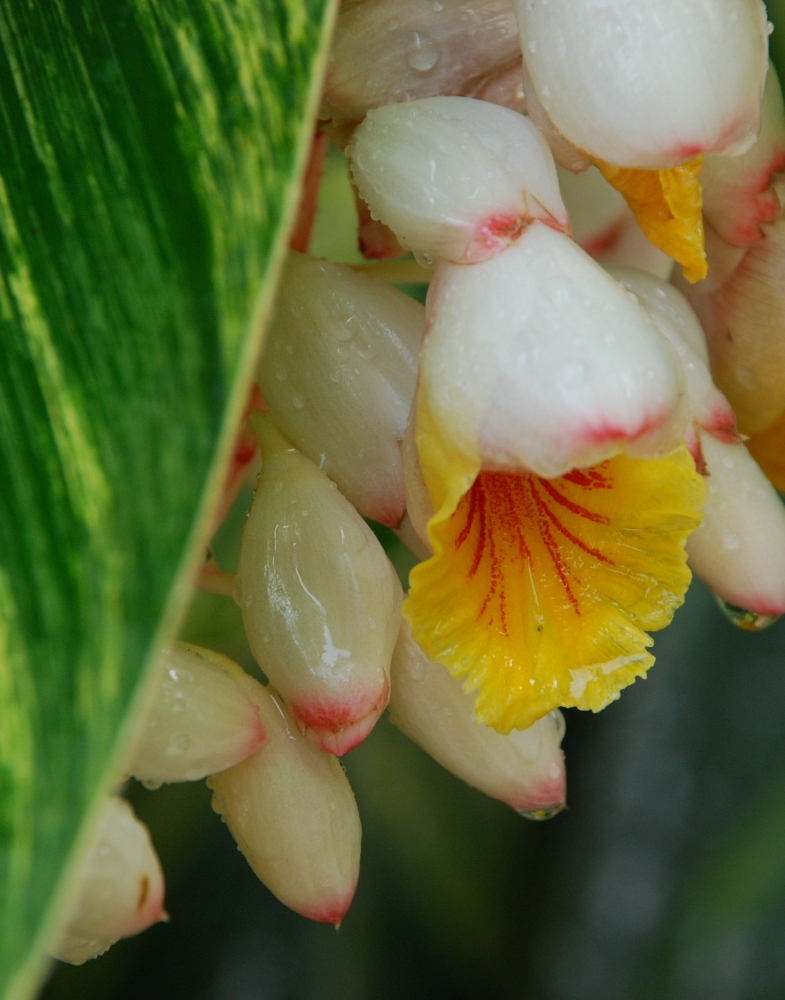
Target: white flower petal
{"x": 455, "y": 178}
{"x": 199, "y": 721}
{"x": 737, "y": 190}
{"x": 120, "y": 887}
{"x": 671, "y": 314}
{"x": 338, "y": 373}
{"x": 525, "y": 769}
{"x": 538, "y": 360}
{"x": 648, "y": 84}
{"x": 387, "y": 51}
{"x": 739, "y": 549}
{"x": 320, "y": 600}
{"x": 292, "y": 812}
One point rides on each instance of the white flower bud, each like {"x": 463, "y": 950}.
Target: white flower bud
{"x": 387, "y": 51}
{"x": 744, "y": 321}
{"x": 538, "y": 360}
{"x": 568, "y": 157}
{"x": 320, "y": 600}
{"x": 604, "y": 226}
{"x": 120, "y": 887}
{"x": 199, "y": 721}
{"x": 738, "y": 195}
{"x": 671, "y": 314}
{"x": 525, "y": 769}
{"x": 739, "y": 548}
{"x": 338, "y": 373}
{"x": 648, "y": 85}
{"x": 292, "y": 812}
{"x": 455, "y": 178}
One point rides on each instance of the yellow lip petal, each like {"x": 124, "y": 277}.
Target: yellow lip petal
{"x": 667, "y": 205}
{"x": 539, "y": 591}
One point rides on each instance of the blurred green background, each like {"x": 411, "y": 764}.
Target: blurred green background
{"x": 665, "y": 878}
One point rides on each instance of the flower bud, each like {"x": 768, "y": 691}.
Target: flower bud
{"x": 739, "y": 548}
{"x": 320, "y": 600}
{"x": 292, "y": 812}
{"x": 120, "y": 887}
{"x": 388, "y": 51}
{"x": 525, "y": 768}
{"x": 199, "y": 721}
{"x": 648, "y": 85}
{"x": 738, "y": 194}
{"x": 744, "y": 321}
{"x": 338, "y": 374}
{"x": 537, "y": 360}
{"x": 455, "y": 178}
{"x": 671, "y": 314}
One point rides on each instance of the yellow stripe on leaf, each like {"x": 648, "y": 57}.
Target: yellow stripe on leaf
{"x": 668, "y": 207}
{"x": 540, "y": 592}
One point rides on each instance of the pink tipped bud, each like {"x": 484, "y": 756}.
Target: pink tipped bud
{"x": 671, "y": 314}
{"x": 292, "y": 812}
{"x": 538, "y": 361}
{"x": 738, "y": 191}
{"x": 120, "y": 887}
{"x": 320, "y": 601}
{"x": 741, "y": 306}
{"x": 338, "y": 374}
{"x": 739, "y": 548}
{"x": 455, "y": 178}
{"x": 387, "y": 51}
{"x": 525, "y": 768}
{"x": 199, "y": 721}
{"x": 648, "y": 85}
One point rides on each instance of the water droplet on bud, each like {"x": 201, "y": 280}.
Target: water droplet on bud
{"x": 547, "y": 813}
{"x": 422, "y": 54}
{"x": 749, "y": 621}
{"x": 298, "y": 402}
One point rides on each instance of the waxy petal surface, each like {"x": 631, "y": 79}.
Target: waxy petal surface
{"x": 455, "y": 178}
{"x": 648, "y": 85}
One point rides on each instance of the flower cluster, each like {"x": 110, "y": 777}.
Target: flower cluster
{"x": 556, "y": 441}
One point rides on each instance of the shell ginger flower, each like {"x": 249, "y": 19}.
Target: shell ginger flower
{"x": 549, "y": 419}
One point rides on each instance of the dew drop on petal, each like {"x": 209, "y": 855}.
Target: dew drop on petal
{"x": 731, "y": 541}
{"x": 298, "y": 402}
{"x": 748, "y": 621}
{"x": 422, "y": 54}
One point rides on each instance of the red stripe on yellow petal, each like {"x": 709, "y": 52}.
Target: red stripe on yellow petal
{"x": 768, "y": 449}
{"x": 667, "y": 205}
{"x": 540, "y": 591}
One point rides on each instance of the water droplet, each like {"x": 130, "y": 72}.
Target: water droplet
{"x": 574, "y": 374}
{"x": 547, "y": 813}
{"x": 281, "y": 375}
{"x": 365, "y": 351}
{"x": 731, "y": 541}
{"x": 423, "y": 259}
{"x": 769, "y": 27}
{"x": 747, "y": 377}
{"x": 438, "y": 7}
{"x": 152, "y": 784}
{"x": 298, "y": 402}
{"x": 728, "y": 462}
{"x": 416, "y": 668}
{"x": 421, "y": 54}
{"x": 178, "y": 743}
{"x": 533, "y": 45}
{"x": 344, "y": 331}
{"x": 559, "y": 288}
{"x": 546, "y": 91}
{"x": 749, "y": 621}
{"x": 372, "y": 624}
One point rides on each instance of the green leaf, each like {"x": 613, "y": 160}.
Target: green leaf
{"x": 150, "y": 154}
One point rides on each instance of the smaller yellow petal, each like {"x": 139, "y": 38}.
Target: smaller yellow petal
{"x": 768, "y": 449}
{"x": 667, "y": 205}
